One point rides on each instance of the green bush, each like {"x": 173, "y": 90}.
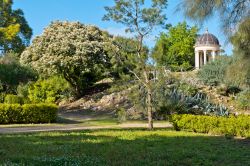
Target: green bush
{"x": 27, "y": 113}
{"x": 238, "y": 73}
{"x": 185, "y": 66}
{"x": 2, "y": 96}
{"x": 243, "y": 99}
{"x": 121, "y": 115}
{"x": 12, "y": 73}
{"x": 10, "y": 113}
{"x": 187, "y": 89}
{"x": 233, "y": 90}
{"x": 23, "y": 89}
{"x": 213, "y": 73}
{"x": 13, "y": 99}
{"x": 228, "y": 90}
{"x": 49, "y": 91}
{"x": 232, "y": 125}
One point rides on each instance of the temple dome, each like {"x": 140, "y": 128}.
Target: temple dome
{"x": 207, "y": 39}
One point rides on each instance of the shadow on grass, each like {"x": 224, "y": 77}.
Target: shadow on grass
{"x": 62, "y": 120}
{"x": 123, "y": 147}
{"x": 79, "y": 115}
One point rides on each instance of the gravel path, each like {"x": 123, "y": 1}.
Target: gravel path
{"x": 70, "y": 119}
{"x": 72, "y": 127}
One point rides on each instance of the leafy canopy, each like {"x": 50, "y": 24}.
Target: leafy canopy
{"x": 71, "y": 49}
{"x": 175, "y": 48}
{"x": 123, "y": 54}
{"x": 136, "y": 16}
{"x": 15, "y": 32}
{"x": 12, "y": 73}
{"x": 49, "y": 90}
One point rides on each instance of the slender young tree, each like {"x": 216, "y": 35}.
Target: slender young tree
{"x": 140, "y": 18}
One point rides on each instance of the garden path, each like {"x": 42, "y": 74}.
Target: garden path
{"x": 76, "y": 119}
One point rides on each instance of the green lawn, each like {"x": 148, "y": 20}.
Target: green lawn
{"x": 123, "y": 147}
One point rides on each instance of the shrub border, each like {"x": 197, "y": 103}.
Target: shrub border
{"x": 28, "y": 113}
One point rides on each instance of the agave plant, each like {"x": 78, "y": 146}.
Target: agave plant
{"x": 198, "y": 104}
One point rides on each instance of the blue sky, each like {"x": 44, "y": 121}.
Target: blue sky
{"x": 39, "y": 13}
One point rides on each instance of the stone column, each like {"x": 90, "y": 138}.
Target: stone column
{"x": 197, "y": 60}
{"x": 205, "y": 56}
{"x": 213, "y": 55}
{"x": 218, "y": 53}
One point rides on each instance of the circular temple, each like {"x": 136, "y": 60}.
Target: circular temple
{"x": 207, "y": 39}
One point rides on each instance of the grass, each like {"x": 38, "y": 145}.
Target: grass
{"x": 123, "y": 147}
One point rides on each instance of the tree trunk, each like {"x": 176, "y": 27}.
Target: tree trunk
{"x": 149, "y": 109}
{"x": 149, "y": 105}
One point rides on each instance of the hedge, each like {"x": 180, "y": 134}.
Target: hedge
{"x": 13, "y": 99}
{"x": 232, "y": 125}
{"x": 27, "y": 113}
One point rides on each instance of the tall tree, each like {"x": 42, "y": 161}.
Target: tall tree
{"x": 175, "y": 49}
{"x": 140, "y": 19}
{"x": 232, "y": 12}
{"x": 239, "y": 72}
{"x": 71, "y": 49}
{"x": 15, "y": 33}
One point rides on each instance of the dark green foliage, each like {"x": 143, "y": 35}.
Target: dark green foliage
{"x": 233, "y": 90}
{"x": 175, "y": 49}
{"x": 27, "y": 113}
{"x": 232, "y": 125}
{"x": 2, "y": 96}
{"x": 226, "y": 90}
{"x": 123, "y": 56}
{"x": 243, "y": 99}
{"x": 12, "y": 73}
{"x": 13, "y": 99}
{"x": 49, "y": 90}
{"x": 213, "y": 73}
